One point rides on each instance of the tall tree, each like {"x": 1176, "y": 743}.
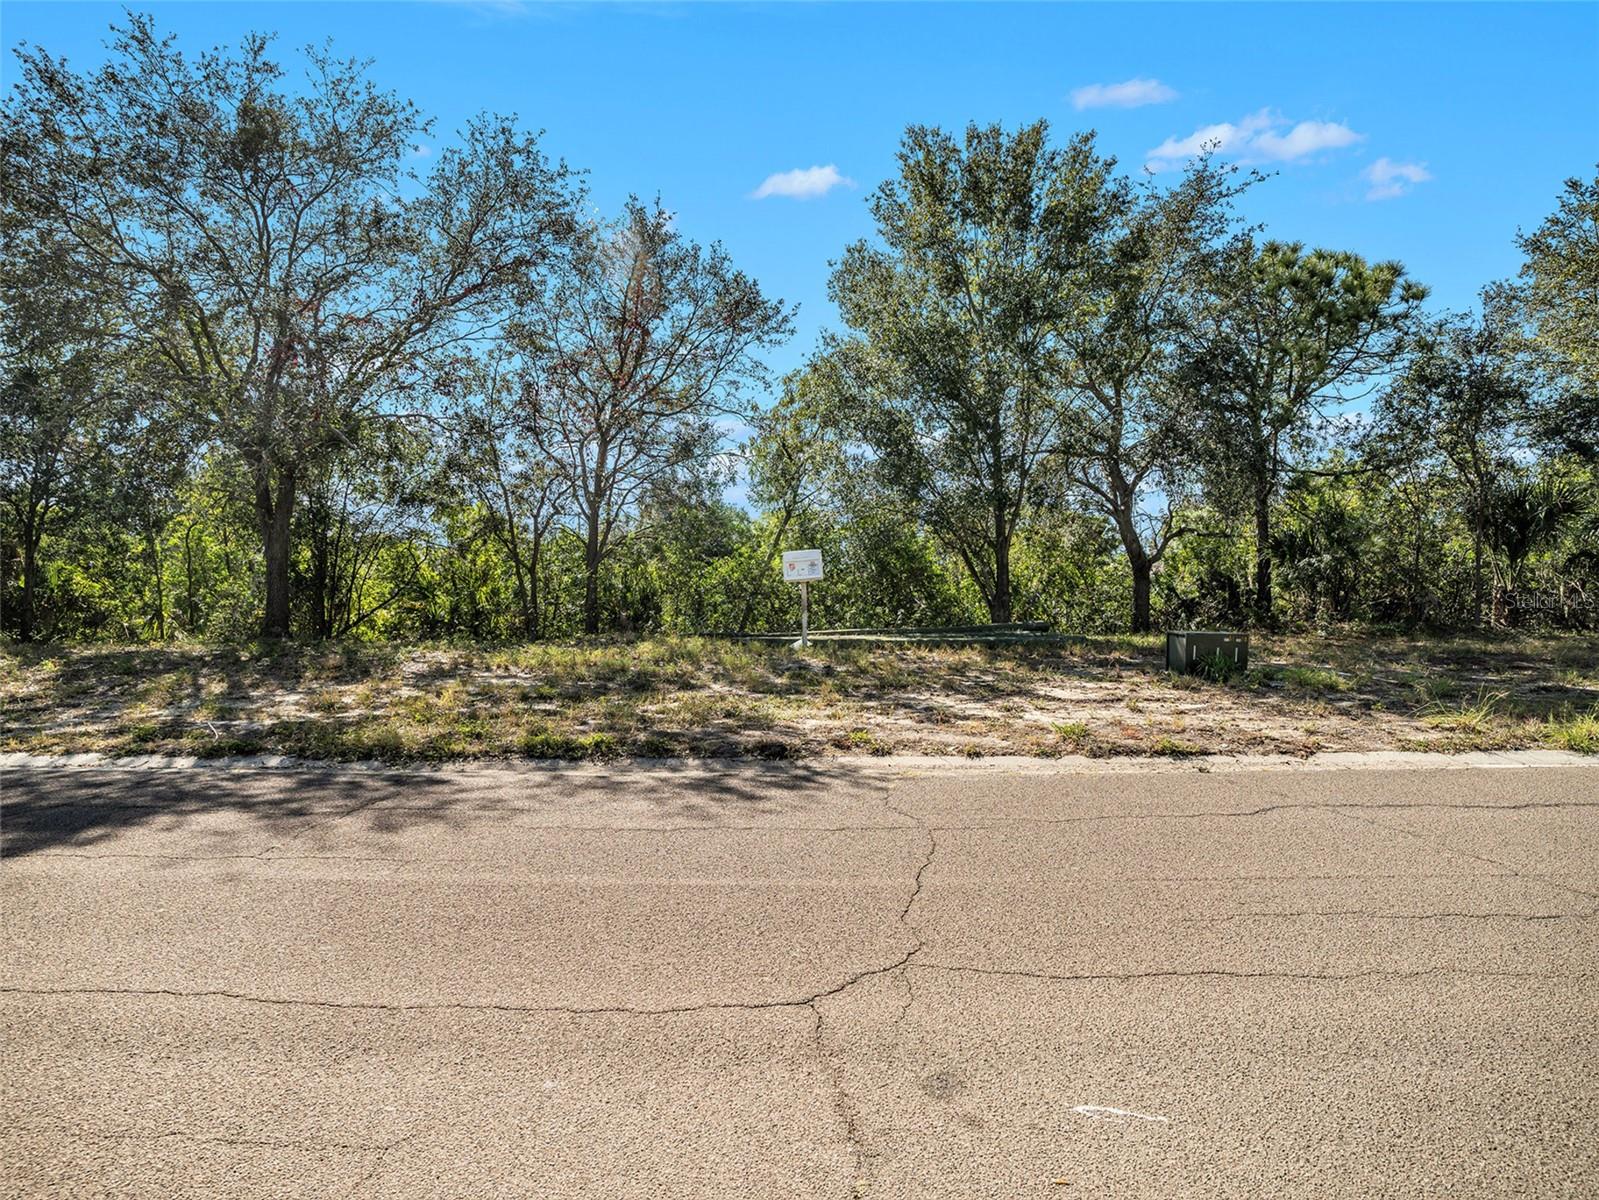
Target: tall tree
{"x": 271, "y": 243}
{"x": 358, "y": 528}
{"x": 643, "y": 339}
{"x": 956, "y": 312}
{"x": 495, "y": 463}
{"x": 1127, "y": 435}
{"x": 60, "y": 380}
{"x": 1459, "y": 400}
{"x": 1553, "y": 307}
{"x": 795, "y": 457}
{"x": 1286, "y": 338}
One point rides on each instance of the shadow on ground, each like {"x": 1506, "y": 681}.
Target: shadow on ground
{"x": 55, "y": 809}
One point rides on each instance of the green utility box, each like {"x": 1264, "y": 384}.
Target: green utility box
{"x": 1187, "y": 650}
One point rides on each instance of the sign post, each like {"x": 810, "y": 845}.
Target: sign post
{"x": 803, "y": 567}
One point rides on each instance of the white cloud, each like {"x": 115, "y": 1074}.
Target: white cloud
{"x": 1224, "y": 138}
{"x": 803, "y": 183}
{"x": 421, "y": 150}
{"x": 1131, "y": 93}
{"x": 1307, "y": 137}
{"x": 1263, "y": 136}
{"x": 1389, "y": 178}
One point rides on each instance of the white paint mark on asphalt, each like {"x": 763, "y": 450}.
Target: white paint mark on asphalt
{"x": 1101, "y": 1112}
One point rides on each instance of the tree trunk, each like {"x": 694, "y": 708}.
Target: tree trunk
{"x": 530, "y": 613}
{"x": 1138, "y": 560}
{"x": 273, "y": 507}
{"x": 999, "y": 608}
{"x": 1142, "y": 571}
{"x": 520, "y": 579}
{"x": 1263, "y": 557}
{"x": 160, "y": 614}
{"x": 531, "y": 624}
{"x": 30, "y": 572}
{"x": 591, "y": 574}
{"x": 1476, "y": 566}
{"x": 321, "y": 587}
{"x": 766, "y": 565}
{"x": 191, "y": 606}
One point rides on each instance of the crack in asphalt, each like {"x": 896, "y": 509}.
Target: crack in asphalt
{"x": 833, "y": 1062}
{"x": 1439, "y": 843}
{"x": 843, "y": 1102}
{"x": 1222, "y": 973}
{"x": 1263, "y": 810}
{"x": 469, "y": 1005}
{"x": 1371, "y": 916}
{"x": 843, "y": 1107}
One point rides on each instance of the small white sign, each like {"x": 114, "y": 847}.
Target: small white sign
{"x": 802, "y": 566}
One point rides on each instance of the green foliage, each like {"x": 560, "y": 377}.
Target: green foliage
{"x": 1577, "y": 731}
{"x": 1554, "y": 306}
{"x": 1061, "y": 395}
{"x": 956, "y": 314}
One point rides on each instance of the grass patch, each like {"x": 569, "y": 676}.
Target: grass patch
{"x": 1313, "y": 679}
{"x": 1466, "y": 716}
{"x": 1578, "y": 732}
{"x": 575, "y": 749}
{"x": 676, "y": 696}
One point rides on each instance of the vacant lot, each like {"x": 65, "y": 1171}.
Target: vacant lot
{"x": 687, "y": 696}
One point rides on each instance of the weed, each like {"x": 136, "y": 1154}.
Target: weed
{"x": 565, "y": 746}
{"x": 1313, "y": 679}
{"x": 677, "y": 695}
{"x": 1172, "y": 748}
{"x": 1578, "y": 731}
{"x": 1217, "y": 667}
{"x": 861, "y": 739}
{"x": 1469, "y": 716}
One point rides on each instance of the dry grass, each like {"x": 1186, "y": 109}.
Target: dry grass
{"x": 689, "y": 696}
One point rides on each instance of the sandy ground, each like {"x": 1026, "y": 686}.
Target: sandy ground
{"x": 690, "y": 697}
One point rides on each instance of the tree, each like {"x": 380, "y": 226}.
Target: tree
{"x": 59, "y": 376}
{"x": 272, "y": 246}
{"x": 1553, "y": 308}
{"x": 1458, "y": 399}
{"x": 495, "y": 463}
{"x": 950, "y": 377}
{"x": 1127, "y": 434}
{"x": 1525, "y": 513}
{"x": 1285, "y": 339}
{"x": 794, "y": 458}
{"x": 643, "y": 339}
{"x": 358, "y": 529}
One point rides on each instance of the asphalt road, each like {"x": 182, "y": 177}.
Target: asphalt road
{"x": 791, "y": 982}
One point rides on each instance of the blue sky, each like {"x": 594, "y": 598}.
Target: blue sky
{"x": 1425, "y": 132}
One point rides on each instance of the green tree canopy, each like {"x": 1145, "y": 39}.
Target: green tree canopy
{"x": 950, "y": 374}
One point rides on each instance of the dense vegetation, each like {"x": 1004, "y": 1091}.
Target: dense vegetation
{"x": 261, "y": 376}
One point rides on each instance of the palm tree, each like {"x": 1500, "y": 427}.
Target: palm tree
{"x": 1524, "y": 515}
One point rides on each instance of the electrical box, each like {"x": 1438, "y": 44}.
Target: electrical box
{"x": 1188, "y": 650}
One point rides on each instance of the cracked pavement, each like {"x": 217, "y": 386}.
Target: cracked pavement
{"x": 797, "y": 980}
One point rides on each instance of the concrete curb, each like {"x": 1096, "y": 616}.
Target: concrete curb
{"x": 892, "y": 765}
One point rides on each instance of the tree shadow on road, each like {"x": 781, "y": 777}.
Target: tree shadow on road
{"x": 228, "y": 811}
